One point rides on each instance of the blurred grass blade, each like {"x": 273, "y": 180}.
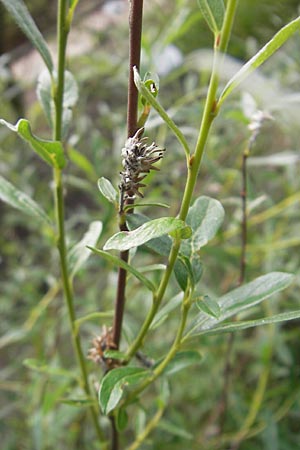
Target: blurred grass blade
{"x": 41, "y": 367}
{"x": 213, "y": 12}
{"x": 51, "y": 152}
{"x": 243, "y": 325}
{"x": 144, "y": 91}
{"x": 257, "y": 60}
{"x": 120, "y": 263}
{"x": 22, "y": 17}
{"x": 19, "y": 200}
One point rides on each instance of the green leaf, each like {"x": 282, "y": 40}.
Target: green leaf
{"x": 213, "y": 12}
{"x": 181, "y": 361}
{"x": 19, "y": 200}
{"x": 41, "y": 367}
{"x": 257, "y": 60}
{"x": 183, "y": 272}
{"x": 121, "y": 419}
{"x": 204, "y": 217}
{"x": 50, "y": 151}
{"x": 45, "y": 96}
{"x": 243, "y": 325}
{"x": 120, "y": 263}
{"x": 115, "y": 382}
{"x": 208, "y": 305}
{"x": 242, "y": 298}
{"x": 108, "y": 191}
{"x": 114, "y": 354}
{"x": 161, "y": 245}
{"x": 182, "y": 233}
{"x": 144, "y": 91}
{"x": 79, "y": 402}
{"x": 79, "y": 253}
{"x": 125, "y": 240}
{"x": 22, "y": 17}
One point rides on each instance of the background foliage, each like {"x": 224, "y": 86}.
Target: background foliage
{"x": 34, "y": 326}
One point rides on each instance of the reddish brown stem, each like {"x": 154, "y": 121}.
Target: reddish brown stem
{"x": 135, "y": 33}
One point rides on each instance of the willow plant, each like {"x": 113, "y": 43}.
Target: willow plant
{"x": 178, "y": 240}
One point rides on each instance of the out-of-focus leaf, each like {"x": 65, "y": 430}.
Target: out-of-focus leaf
{"x": 41, "y": 367}
{"x": 45, "y": 96}
{"x": 82, "y": 162}
{"x": 79, "y": 253}
{"x": 19, "y": 200}
{"x": 21, "y": 15}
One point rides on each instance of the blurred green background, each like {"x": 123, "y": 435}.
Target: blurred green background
{"x": 176, "y": 44}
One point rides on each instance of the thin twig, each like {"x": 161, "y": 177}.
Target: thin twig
{"x": 223, "y": 403}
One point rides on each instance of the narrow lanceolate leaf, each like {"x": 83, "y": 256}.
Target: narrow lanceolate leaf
{"x": 108, "y": 191}
{"x": 213, "y": 12}
{"x": 50, "y": 151}
{"x": 22, "y": 17}
{"x": 79, "y": 254}
{"x": 120, "y": 263}
{"x": 243, "y": 325}
{"x": 45, "y": 91}
{"x": 240, "y": 299}
{"x": 257, "y": 60}
{"x": 125, "y": 240}
{"x": 18, "y": 199}
{"x": 115, "y": 382}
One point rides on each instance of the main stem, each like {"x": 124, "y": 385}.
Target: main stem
{"x": 135, "y": 34}
{"x": 209, "y": 114}
{"x": 62, "y": 34}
